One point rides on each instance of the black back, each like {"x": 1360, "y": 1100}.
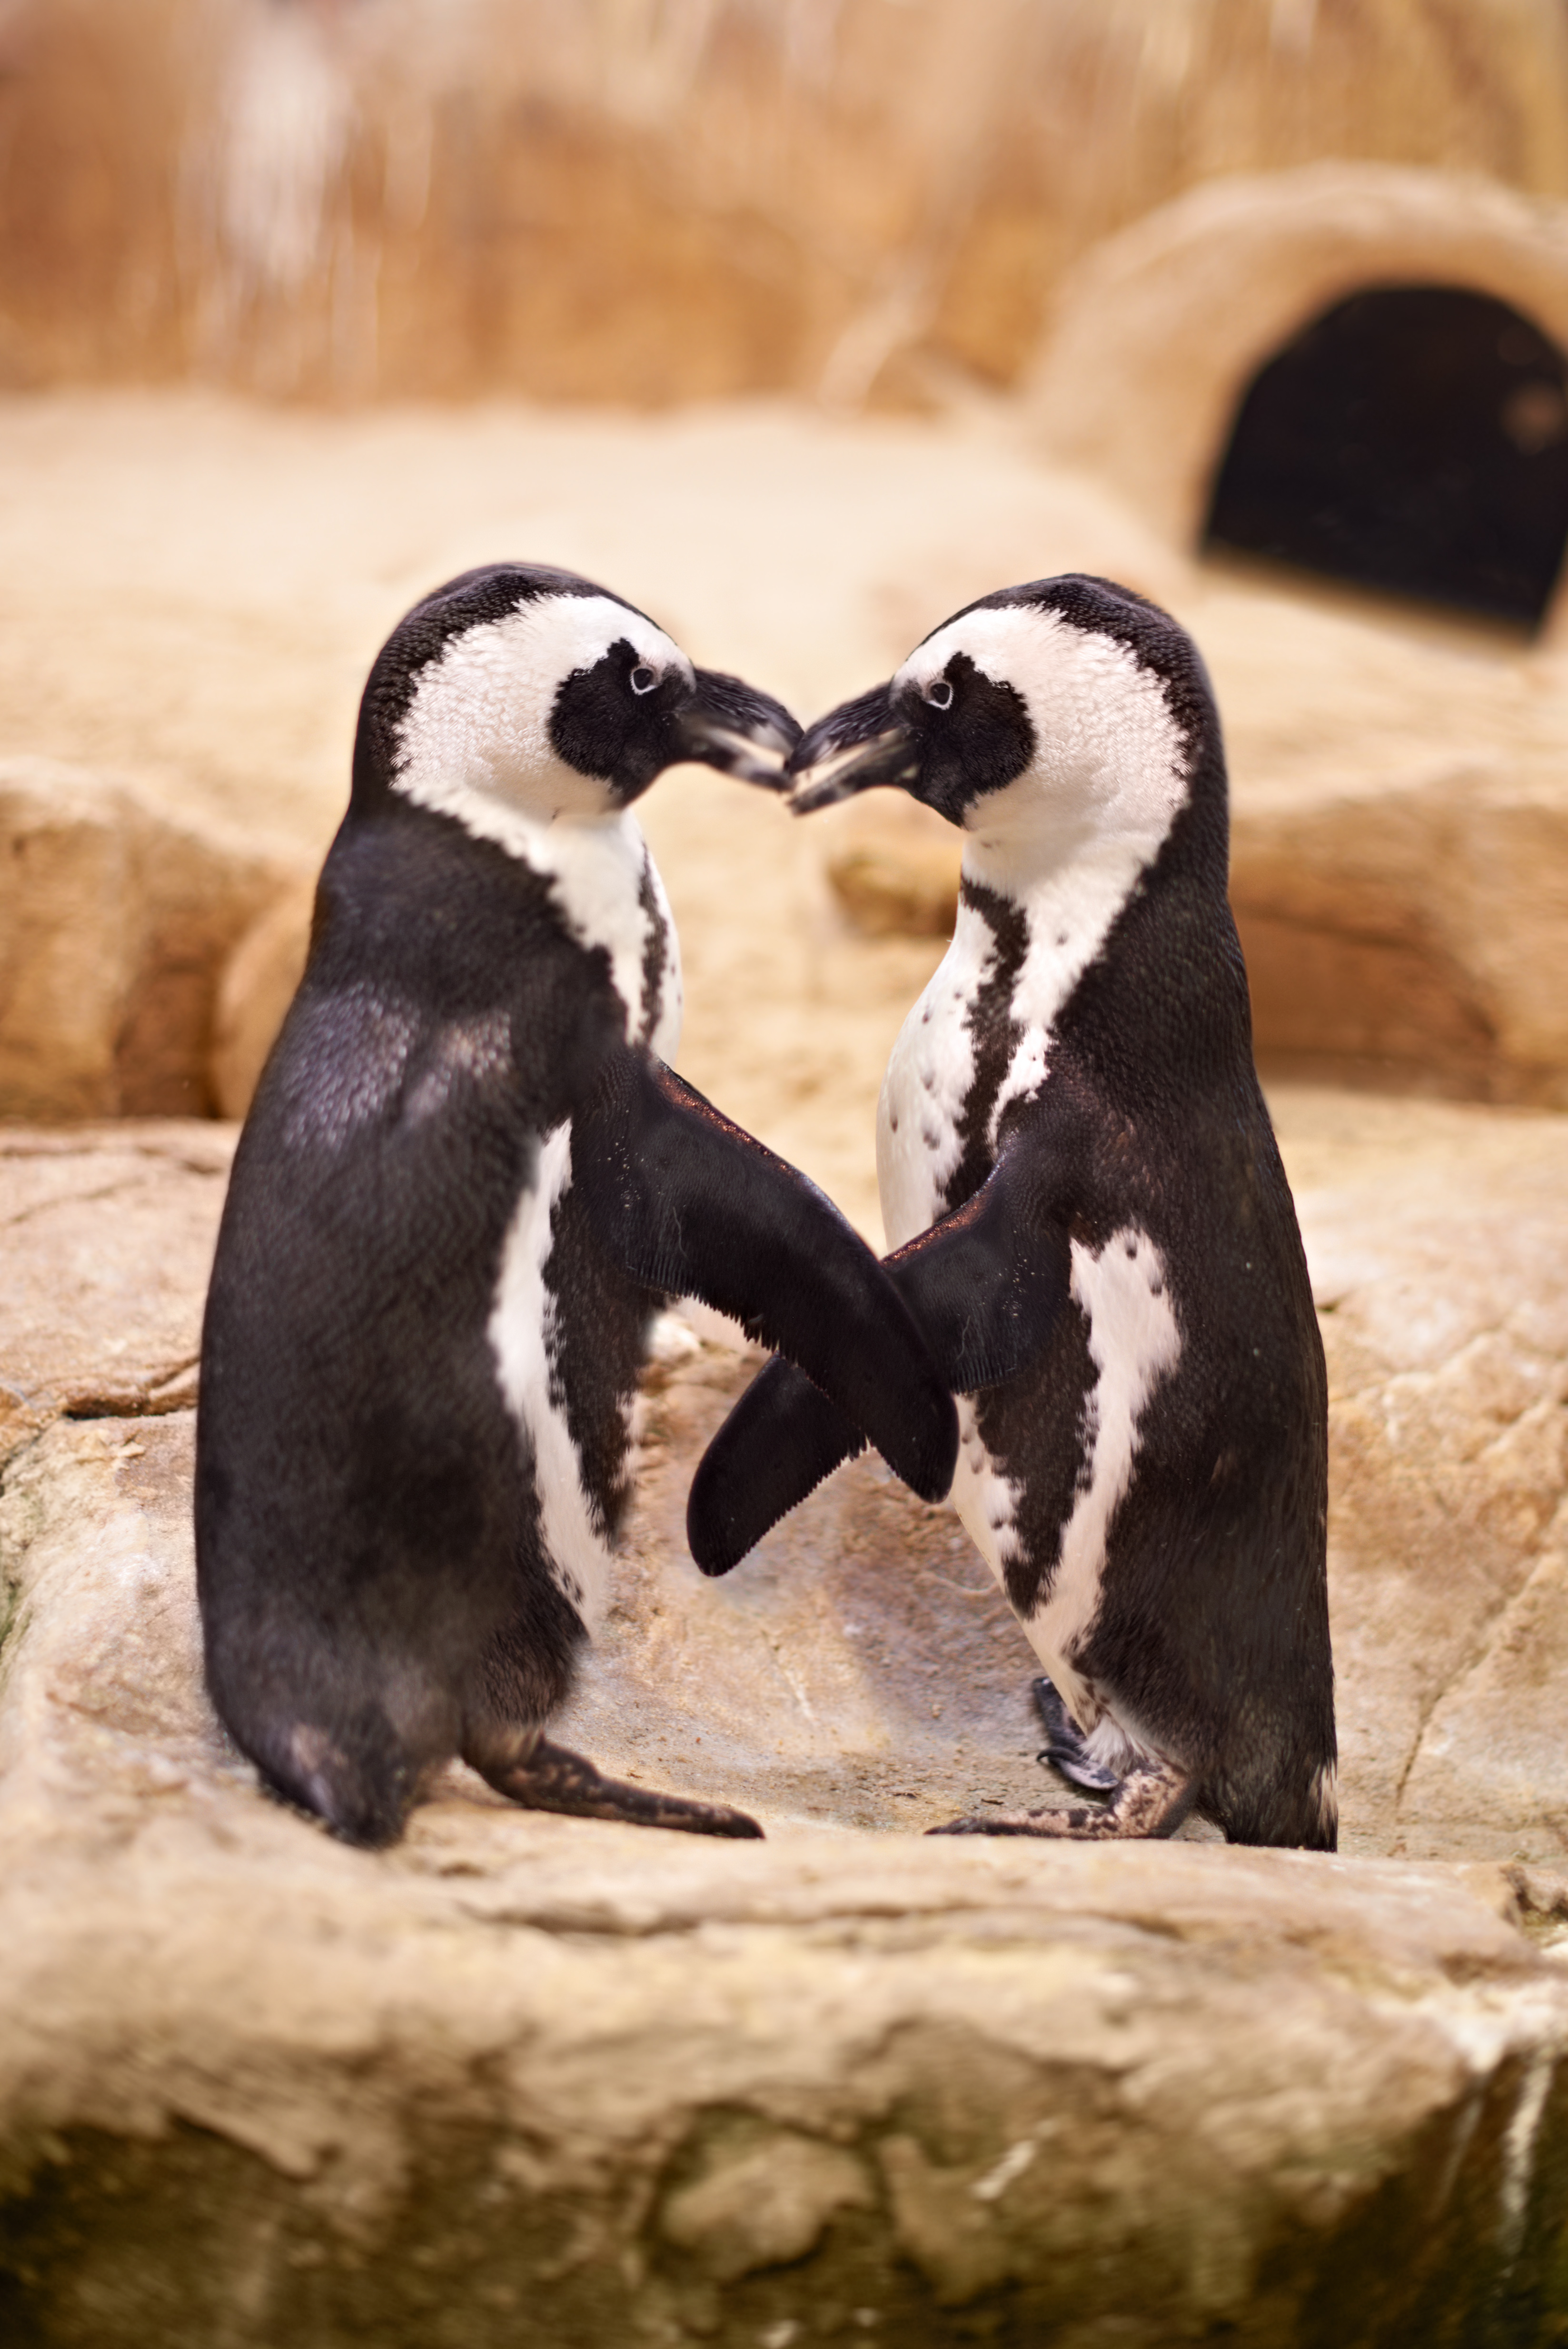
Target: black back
{"x": 358, "y": 1476}
{"x": 383, "y": 1579}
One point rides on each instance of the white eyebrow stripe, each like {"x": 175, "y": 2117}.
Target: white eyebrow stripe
{"x": 482, "y": 707}
{"x": 1002, "y": 639}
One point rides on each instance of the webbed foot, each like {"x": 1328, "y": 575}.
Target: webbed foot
{"x": 552, "y": 1778}
{"x": 1151, "y": 1801}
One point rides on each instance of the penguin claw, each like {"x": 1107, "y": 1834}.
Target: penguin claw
{"x": 1087, "y": 1776}
{"x": 1065, "y": 1749}
{"x": 1062, "y": 1825}
{"x": 1150, "y": 1802}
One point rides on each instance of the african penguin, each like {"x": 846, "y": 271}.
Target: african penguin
{"x": 1090, "y": 1219}
{"x": 467, "y": 1182}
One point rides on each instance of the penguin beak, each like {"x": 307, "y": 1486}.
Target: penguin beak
{"x": 856, "y": 746}
{"x": 731, "y": 726}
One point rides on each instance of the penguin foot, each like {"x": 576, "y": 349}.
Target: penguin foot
{"x": 1151, "y": 1801}
{"x": 1065, "y": 1747}
{"x": 552, "y": 1778}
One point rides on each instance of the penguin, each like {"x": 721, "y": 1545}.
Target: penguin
{"x": 1089, "y": 1216}
{"x": 468, "y": 1181}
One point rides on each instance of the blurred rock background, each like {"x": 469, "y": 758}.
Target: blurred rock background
{"x": 661, "y": 200}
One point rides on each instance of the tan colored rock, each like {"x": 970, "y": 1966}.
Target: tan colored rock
{"x": 765, "y": 2205}
{"x": 1159, "y": 332}
{"x": 115, "y": 916}
{"x": 1411, "y": 929}
{"x": 547, "y": 2079}
{"x": 1492, "y": 1746}
{"x": 1438, "y": 1238}
{"x": 552, "y": 2078}
{"x": 257, "y": 987}
{"x": 106, "y": 1240}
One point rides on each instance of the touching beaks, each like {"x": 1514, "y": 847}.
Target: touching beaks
{"x": 853, "y": 747}
{"x": 887, "y": 758}
{"x": 745, "y": 733}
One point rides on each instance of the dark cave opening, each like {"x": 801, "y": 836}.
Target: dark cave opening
{"x": 1413, "y": 439}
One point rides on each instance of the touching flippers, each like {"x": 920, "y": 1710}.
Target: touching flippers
{"x": 985, "y": 1286}
{"x": 987, "y": 1282}
{"x": 689, "y": 1203}
{"x": 779, "y": 1441}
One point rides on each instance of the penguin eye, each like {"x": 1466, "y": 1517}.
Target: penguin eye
{"x": 939, "y": 693}
{"x": 643, "y": 679}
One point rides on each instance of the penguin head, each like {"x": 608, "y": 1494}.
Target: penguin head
{"x": 521, "y": 691}
{"x": 1043, "y": 718}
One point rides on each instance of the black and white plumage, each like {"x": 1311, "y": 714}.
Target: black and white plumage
{"x": 467, "y": 1182}
{"x": 1089, "y": 1216}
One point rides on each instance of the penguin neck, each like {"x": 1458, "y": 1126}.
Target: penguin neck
{"x": 603, "y": 882}
{"x": 606, "y": 887}
{"x": 536, "y": 837}
{"x": 1070, "y": 892}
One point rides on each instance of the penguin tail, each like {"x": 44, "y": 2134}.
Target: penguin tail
{"x": 1297, "y": 1815}
{"x": 360, "y": 1780}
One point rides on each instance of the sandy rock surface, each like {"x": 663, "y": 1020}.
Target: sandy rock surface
{"x": 107, "y": 1236}
{"x": 529, "y": 2080}
{"x": 1437, "y": 1240}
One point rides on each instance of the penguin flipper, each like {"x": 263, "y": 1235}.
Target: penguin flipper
{"x": 779, "y": 1441}
{"x": 987, "y": 1281}
{"x": 985, "y": 1284}
{"x": 691, "y": 1205}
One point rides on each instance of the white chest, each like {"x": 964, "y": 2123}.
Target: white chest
{"x": 1134, "y": 1343}
{"x": 928, "y": 1079}
{"x": 606, "y": 887}
{"x": 607, "y": 890}
{"x": 1055, "y": 923}
{"x": 526, "y": 1342}
{"x": 604, "y": 883}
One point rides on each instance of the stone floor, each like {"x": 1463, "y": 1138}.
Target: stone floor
{"x": 530, "y": 2081}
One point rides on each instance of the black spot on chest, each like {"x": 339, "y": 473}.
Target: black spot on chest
{"x": 994, "y": 1033}
{"x": 655, "y": 952}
